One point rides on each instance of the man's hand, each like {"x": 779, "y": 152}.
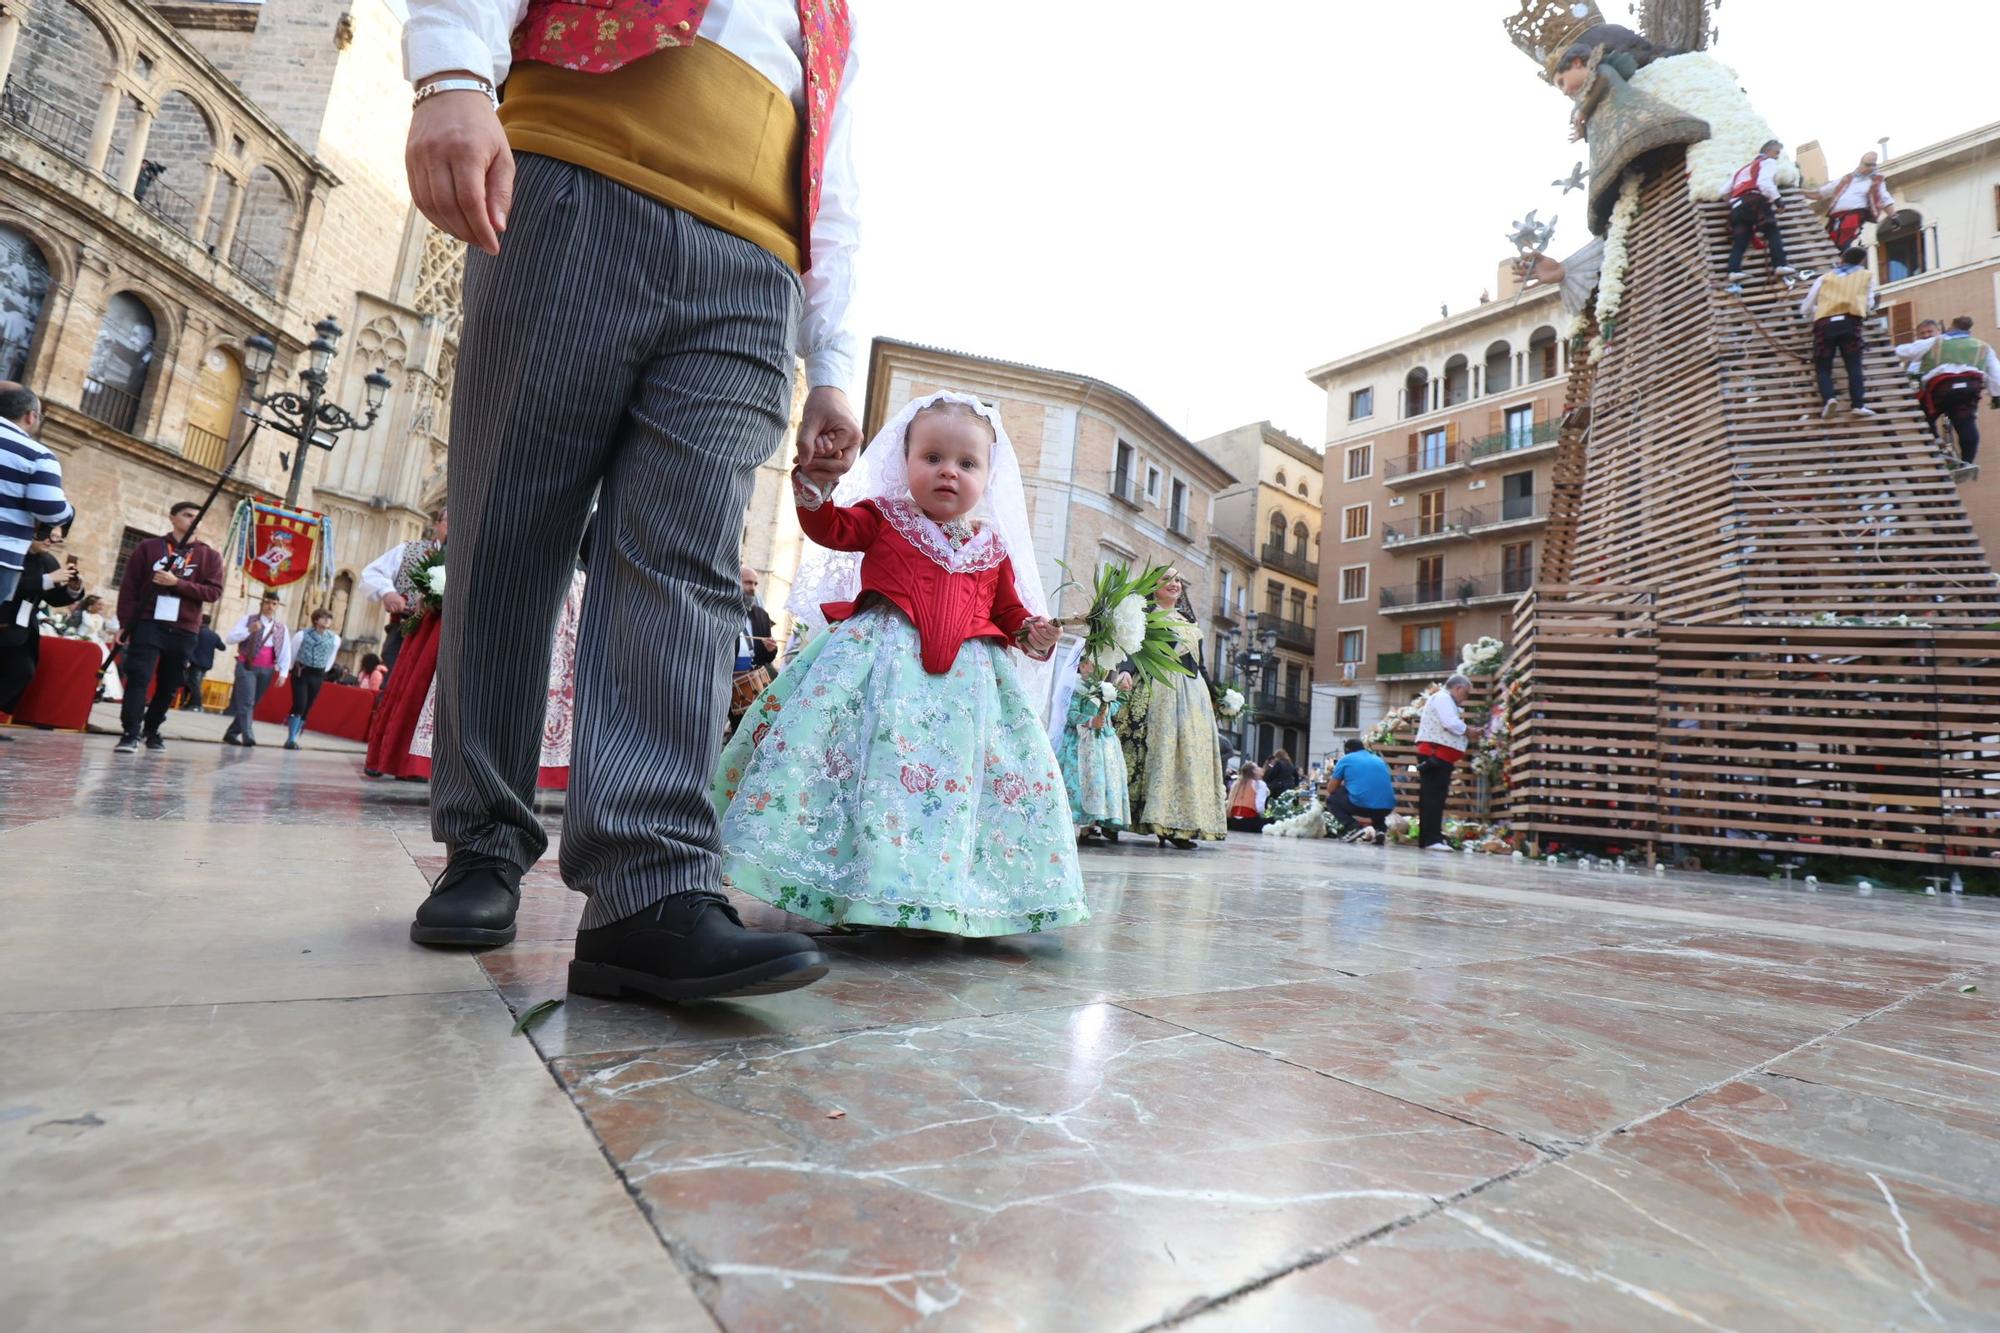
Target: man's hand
{"x": 395, "y": 603}
{"x": 1041, "y": 634}
{"x": 162, "y": 578}
{"x": 829, "y": 435}
{"x": 124, "y": 638}
{"x": 461, "y": 169}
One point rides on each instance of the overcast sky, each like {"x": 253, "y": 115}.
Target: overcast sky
{"x": 1198, "y": 213}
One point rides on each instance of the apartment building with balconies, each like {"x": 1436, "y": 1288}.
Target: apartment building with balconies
{"x": 1438, "y": 461}
{"x": 1272, "y": 514}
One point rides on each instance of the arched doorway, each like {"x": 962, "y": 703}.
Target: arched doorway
{"x": 120, "y": 363}
{"x": 1416, "y": 392}
{"x": 24, "y": 289}
{"x": 212, "y": 410}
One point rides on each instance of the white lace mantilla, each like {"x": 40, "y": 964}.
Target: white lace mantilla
{"x": 959, "y": 547}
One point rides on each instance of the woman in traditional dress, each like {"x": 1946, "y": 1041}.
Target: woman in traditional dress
{"x": 557, "y": 716}
{"x": 1179, "y": 797}
{"x": 400, "y": 705}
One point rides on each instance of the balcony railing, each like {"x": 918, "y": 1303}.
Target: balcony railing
{"x": 1125, "y": 489}
{"x": 1406, "y": 596}
{"x": 1457, "y": 590}
{"x": 1519, "y": 510}
{"x": 256, "y": 267}
{"x": 1225, "y": 611}
{"x": 1427, "y": 458}
{"x": 1181, "y": 525}
{"x": 1465, "y": 522}
{"x": 1282, "y": 708}
{"x": 1289, "y": 562}
{"x": 1410, "y": 664}
{"x": 171, "y": 207}
{"x": 1511, "y": 441}
{"x": 67, "y": 134}
{"x": 204, "y": 448}
{"x": 1291, "y": 633}
{"x": 114, "y": 407}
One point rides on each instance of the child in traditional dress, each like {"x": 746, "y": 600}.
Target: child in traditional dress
{"x": 898, "y": 772}
{"x": 1093, "y": 760}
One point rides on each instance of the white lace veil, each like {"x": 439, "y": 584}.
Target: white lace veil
{"x": 883, "y": 474}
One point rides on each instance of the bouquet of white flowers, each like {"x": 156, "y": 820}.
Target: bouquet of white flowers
{"x": 1228, "y": 703}
{"x": 428, "y": 579}
{"x": 1123, "y": 624}
{"x": 1107, "y": 692}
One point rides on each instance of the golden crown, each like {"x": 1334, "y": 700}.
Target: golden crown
{"x": 1544, "y": 29}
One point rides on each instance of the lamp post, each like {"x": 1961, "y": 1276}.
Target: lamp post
{"x": 307, "y": 417}
{"x": 1253, "y": 663}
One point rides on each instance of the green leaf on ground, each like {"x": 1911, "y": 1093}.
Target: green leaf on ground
{"x": 1967, "y": 990}
{"x": 534, "y": 1014}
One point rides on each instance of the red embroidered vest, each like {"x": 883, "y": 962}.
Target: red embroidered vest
{"x": 598, "y": 36}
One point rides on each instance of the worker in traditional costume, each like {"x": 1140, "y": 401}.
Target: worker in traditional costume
{"x": 1954, "y": 369}
{"x": 1856, "y": 199}
{"x": 1837, "y": 303}
{"x": 1753, "y": 212}
{"x": 662, "y": 218}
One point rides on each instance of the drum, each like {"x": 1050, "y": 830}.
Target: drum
{"x": 748, "y": 685}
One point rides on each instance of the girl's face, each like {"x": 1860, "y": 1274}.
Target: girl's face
{"x": 950, "y": 457}
{"x": 1169, "y": 593}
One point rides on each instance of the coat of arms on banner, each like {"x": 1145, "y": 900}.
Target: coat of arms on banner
{"x": 278, "y": 546}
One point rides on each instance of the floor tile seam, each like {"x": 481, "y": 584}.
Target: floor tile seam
{"x": 1864, "y": 1092}
{"x": 1546, "y": 1157}
{"x": 1762, "y": 1067}
{"x": 1436, "y": 1208}
{"x": 690, "y": 1270}
{"x": 1710, "y": 923}
{"x": 1357, "y": 1085}
{"x": 237, "y": 1004}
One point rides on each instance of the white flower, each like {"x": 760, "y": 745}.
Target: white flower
{"x": 1232, "y": 702}
{"x": 437, "y": 579}
{"x": 1701, "y": 85}
{"x": 1128, "y": 625}
{"x": 1107, "y": 691}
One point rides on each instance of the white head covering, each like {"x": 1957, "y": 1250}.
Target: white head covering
{"x": 884, "y": 477}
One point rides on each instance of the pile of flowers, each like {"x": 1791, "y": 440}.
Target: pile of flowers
{"x": 1617, "y": 254}
{"x": 1701, "y": 85}
{"x": 428, "y": 579}
{"x": 1124, "y": 624}
{"x": 1482, "y": 656}
{"x": 1393, "y": 721}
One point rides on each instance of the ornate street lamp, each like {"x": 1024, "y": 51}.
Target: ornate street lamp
{"x": 1253, "y": 664}
{"x": 307, "y": 417}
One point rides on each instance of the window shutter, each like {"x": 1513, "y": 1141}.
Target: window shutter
{"x": 1451, "y": 434}
{"x": 1902, "y": 322}
{"x": 1495, "y": 422}
{"x": 1450, "y": 641}
{"x": 1542, "y": 412}
{"x": 1409, "y": 638}
{"x": 1413, "y": 449}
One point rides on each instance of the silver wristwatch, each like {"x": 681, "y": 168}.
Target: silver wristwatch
{"x": 456, "y": 86}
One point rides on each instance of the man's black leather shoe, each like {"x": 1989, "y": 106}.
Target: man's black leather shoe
{"x": 472, "y": 904}
{"x": 692, "y": 946}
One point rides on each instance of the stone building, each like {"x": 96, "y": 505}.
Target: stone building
{"x": 176, "y": 178}
{"x": 1272, "y": 513}
{"x": 1440, "y": 445}
{"x": 1107, "y": 479}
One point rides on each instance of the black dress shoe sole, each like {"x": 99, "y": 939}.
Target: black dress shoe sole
{"x": 771, "y": 977}
{"x": 474, "y": 937}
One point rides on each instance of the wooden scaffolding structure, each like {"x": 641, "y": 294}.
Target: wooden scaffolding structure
{"x": 1670, "y": 686}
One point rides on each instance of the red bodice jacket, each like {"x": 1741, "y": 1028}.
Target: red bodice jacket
{"x": 947, "y": 608}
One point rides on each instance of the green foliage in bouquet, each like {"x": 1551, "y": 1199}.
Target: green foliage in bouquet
{"x": 1123, "y": 623}
{"x": 428, "y": 579}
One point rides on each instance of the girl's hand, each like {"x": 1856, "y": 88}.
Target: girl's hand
{"x": 1041, "y": 635}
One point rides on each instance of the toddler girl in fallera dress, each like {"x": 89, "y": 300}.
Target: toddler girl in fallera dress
{"x": 898, "y": 772}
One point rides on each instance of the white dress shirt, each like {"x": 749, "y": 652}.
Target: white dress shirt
{"x": 477, "y": 35}
{"x": 380, "y": 576}
{"x": 1766, "y": 178}
{"x": 281, "y": 641}
{"x": 1856, "y": 198}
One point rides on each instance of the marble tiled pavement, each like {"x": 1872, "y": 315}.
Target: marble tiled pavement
{"x": 1273, "y": 1085}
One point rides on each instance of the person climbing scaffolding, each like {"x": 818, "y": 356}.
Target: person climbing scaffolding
{"x": 1753, "y": 212}
{"x": 1836, "y": 304}
{"x": 1955, "y": 368}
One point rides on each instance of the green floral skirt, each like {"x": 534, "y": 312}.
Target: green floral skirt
{"x": 863, "y": 790}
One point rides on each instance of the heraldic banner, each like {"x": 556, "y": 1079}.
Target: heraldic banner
{"x": 277, "y": 546}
